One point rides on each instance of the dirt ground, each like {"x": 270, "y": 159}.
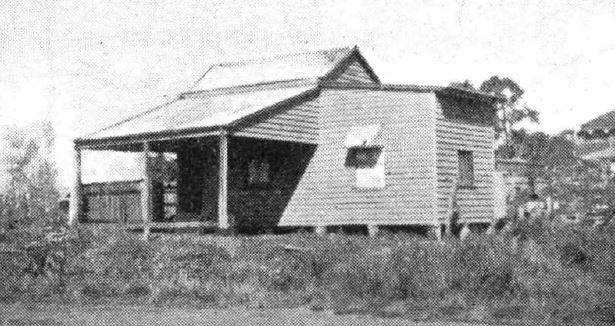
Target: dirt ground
{"x": 120, "y": 315}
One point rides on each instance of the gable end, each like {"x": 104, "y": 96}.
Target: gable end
{"x": 352, "y": 69}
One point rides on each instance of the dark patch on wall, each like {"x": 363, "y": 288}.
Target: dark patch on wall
{"x": 467, "y": 110}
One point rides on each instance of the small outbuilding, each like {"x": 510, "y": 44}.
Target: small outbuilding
{"x": 596, "y": 139}
{"x": 307, "y": 140}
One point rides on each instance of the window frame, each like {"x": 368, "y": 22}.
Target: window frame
{"x": 466, "y": 175}
{"x": 362, "y": 170}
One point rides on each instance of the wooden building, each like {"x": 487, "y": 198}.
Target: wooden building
{"x": 596, "y": 139}
{"x": 312, "y": 140}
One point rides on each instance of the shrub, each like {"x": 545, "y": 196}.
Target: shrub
{"x": 421, "y": 270}
{"x": 123, "y": 259}
{"x": 365, "y": 275}
{"x": 554, "y": 272}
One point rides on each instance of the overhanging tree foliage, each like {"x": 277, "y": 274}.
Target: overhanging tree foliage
{"x": 510, "y": 113}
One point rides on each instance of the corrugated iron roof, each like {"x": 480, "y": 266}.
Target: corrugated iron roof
{"x": 200, "y": 111}
{"x": 416, "y": 88}
{"x": 602, "y": 122}
{"x": 308, "y": 65}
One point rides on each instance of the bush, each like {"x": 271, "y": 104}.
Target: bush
{"x": 533, "y": 271}
{"x": 122, "y": 259}
{"x": 421, "y": 270}
{"x": 365, "y": 275}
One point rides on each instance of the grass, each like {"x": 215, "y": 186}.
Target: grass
{"x": 533, "y": 273}
{"x": 116, "y": 314}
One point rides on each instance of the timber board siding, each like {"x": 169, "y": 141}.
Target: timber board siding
{"x": 326, "y": 194}
{"x": 294, "y": 123}
{"x": 112, "y": 202}
{"x": 299, "y": 123}
{"x": 463, "y": 125}
{"x": 355, "y": 73}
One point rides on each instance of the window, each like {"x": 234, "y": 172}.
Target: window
{"x": 258, "y": 172}
{"x": 369, "y": 166}
{"x": 466, "y": 168}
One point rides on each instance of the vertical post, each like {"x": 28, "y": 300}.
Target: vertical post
{"x": 437, "y": 228}
{"x": 372, "y": 230}
{"x": 465, "y": 231}
{"x": 157, "y": 186}
{"x": 146, "y": 191}
{"x": 75, "y": 193}
{"x": 320, "y": 230}
{"x": 223, "y": 222}
{"x": 453, "y": 210}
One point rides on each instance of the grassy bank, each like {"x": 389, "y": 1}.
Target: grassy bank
{"x": 532, "y": 273}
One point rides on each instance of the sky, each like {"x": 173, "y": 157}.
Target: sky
{"x": 86, "y": 64}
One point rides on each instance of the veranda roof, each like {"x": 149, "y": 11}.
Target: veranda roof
{"x": 199, "y": 111}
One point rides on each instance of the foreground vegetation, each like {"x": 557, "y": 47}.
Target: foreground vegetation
{"x": 532, "y": 273}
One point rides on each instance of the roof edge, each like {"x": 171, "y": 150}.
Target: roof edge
{"x": 413, "y": 88}
{"x": 473, "y": 93}
{"x": 132, "y": 117}
{"x": 250, "y": 87}
{"x": 447, "y": 90}
{"x": 145, "y": 136}
{"x": 384, "y": 87}
{"x": 252, "y": 59}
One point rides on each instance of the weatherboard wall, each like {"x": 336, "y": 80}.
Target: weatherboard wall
{"x": 463, "y": 124}
{"x": 293, "y": 123}
{"x": 326, "y": 193}
{"x": 299, "y": 122}
{"x": 355, "y": 73}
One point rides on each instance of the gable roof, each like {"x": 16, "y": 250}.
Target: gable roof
{"x": 315, "y": 65}
{"x": 231, "y": 92}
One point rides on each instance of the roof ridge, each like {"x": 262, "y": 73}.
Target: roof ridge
{"x": 253, "y": 87}
{"x": 327, "y": 60}
{"x": 249, "y": 60}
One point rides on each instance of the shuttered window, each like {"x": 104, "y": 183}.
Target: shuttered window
{"x": 466, "y": 168}
{"x": 368, "y": 163}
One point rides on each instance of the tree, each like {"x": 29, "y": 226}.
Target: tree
{"x": 512, "y": 111}
{"x": 552, "y": 160}
{"x": 464, "y": 85}
{"x": 30, "y": 193}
